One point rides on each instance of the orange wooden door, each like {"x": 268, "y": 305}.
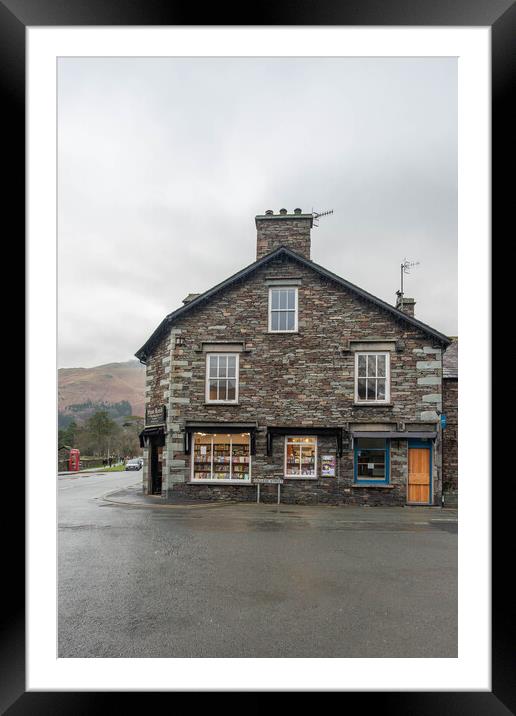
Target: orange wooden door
{"x": 419, "y": 475}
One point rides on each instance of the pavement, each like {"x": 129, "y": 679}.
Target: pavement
{"x": 141, "y": 578}
{"x": 133, "y": 496}
{"x": 85, "y": 471}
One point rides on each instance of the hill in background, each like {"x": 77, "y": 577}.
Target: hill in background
{"x": 118, "y": 388}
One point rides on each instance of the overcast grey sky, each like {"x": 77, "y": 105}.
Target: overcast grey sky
{"x": 163, "y": 164}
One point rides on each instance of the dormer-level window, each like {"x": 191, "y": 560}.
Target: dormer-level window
{"x": 372, "y": 383}
{"x": 222, "y": 378}
{"x": 283, "y": 309}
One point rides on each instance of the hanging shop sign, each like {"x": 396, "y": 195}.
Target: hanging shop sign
{"x": 328, "y": 465}
{"x": 156, "y": 416}
{"x": 443, "y": 421}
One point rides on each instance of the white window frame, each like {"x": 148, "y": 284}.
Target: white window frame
{"x": 300, "y": 477}
{"x": 290, "y": 288}
{"x": 387, "y": 398}
{"x": 207, "y": 378}
{"x": 214, "y": 480}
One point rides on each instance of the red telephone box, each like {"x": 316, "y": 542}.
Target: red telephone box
{"x": 74, "y": 460}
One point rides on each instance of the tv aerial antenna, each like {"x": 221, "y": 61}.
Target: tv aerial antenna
{"x": 317, "y": 215}
{"x": 405, "y": 268}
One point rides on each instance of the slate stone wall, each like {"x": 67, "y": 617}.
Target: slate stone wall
{"x": 298, "y": 379}
{"x": 450, "y": 438}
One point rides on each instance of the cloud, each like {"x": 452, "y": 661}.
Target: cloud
{"x": 164, "y": 162}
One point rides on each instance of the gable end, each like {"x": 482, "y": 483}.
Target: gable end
{"x": 146, "y": 350}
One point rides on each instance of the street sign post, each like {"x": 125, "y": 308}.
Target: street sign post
{"x": 268, "y": 481}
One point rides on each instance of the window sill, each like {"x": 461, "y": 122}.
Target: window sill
{"x": 300, "y": 477}
{"x": 372, "y": 405}
{"x": 219, "y": 482}
{"x": 219, "y": 402}
{"x": 281, "y": 333}
{"x": 375, "y": 487}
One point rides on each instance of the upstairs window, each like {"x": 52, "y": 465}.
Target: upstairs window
{"x": 283, "y": 309}
{"x": 372, "y": 384}
{"x": 222, "y": 378}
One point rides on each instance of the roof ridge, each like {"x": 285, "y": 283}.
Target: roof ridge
{"x": 143, "y": 353}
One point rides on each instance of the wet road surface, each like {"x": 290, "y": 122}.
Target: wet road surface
{"x": 251, "y": 580}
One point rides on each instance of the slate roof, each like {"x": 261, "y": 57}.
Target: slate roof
{"x": 143, "y": 353}
{"x": 451, "y": 359}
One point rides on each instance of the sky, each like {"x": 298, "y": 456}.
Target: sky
{"x": 163, "y": 163}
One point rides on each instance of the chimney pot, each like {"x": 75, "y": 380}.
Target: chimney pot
{"x": 269, "y": 212}
{"x": 190, "y": 297}
{"x": 282, "y": 211}
{"x": 405, "y": 304}
{"x": 297, "y": 211}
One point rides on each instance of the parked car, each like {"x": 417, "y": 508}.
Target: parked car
{"x": 133, "y": 464}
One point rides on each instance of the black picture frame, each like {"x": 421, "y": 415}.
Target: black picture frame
{"x": 15, "y": 16}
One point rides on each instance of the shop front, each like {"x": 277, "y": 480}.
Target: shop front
{"x": 401, "y": 461}
{"x": 315, "y": 464}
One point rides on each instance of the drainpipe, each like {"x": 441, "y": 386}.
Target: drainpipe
{"x": 440, "y": 438}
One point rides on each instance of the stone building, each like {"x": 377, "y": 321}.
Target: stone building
{"x": 285, "y": 371}
{"x": 450, "y": 433}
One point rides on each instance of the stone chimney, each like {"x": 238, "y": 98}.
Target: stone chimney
{"x": 283, "y": 229}
{"x": 405, "y": 304}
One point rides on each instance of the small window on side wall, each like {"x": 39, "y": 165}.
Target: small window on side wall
{"x": 222, "y": 378}
{"x": 283, "y": 309}
{"x": 372, "y": 377}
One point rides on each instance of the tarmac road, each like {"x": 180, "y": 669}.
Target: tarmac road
{"x": 251, "y": 580}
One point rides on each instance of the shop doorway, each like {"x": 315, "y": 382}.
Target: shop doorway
{"x": 156, "y": 468}
{"x": 419, "y": 489}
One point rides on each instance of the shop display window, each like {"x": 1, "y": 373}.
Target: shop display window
{"x": 301, "y": 456}
{"x": 221, "y": 457}
{"x": 371, "y": 460}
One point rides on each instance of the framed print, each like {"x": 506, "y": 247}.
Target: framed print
{"x": 64, "y": 67}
